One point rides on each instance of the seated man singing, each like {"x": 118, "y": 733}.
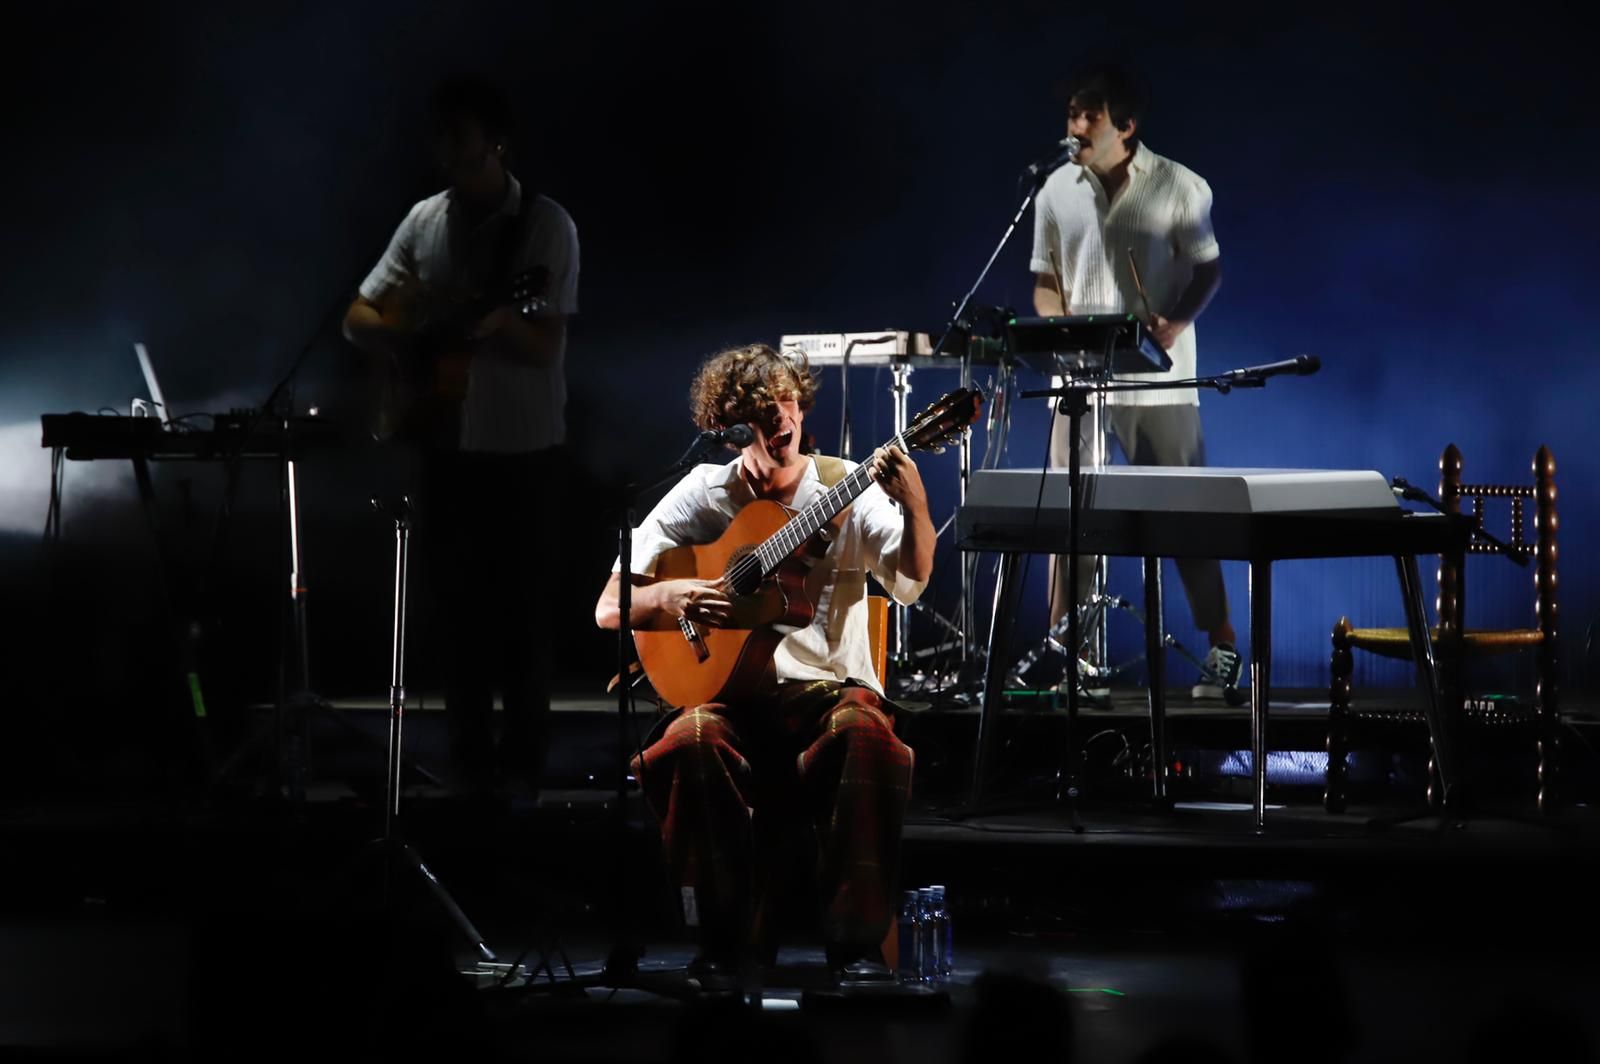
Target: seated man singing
{"x": 818, "y": 735}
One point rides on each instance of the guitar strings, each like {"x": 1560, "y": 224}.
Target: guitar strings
{"x": 756, "y": 564}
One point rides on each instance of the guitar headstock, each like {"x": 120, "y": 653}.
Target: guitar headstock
{"x": 526, "y": 290}
{"x": 944, "y": 420}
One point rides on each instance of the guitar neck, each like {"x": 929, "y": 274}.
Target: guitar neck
{"x": 803, "y": 525}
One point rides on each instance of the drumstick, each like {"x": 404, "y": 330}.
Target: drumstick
{"x": 1137, "y": 283}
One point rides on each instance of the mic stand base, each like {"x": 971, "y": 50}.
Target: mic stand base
{"x": 621, "y": 971}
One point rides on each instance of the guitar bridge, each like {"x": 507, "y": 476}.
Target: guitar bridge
{"x": 695, "y": 640}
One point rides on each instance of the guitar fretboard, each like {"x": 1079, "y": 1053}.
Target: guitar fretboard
{"x": 803, "y": 525}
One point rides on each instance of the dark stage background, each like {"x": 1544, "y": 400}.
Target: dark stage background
{"x": 1408, "y": 196}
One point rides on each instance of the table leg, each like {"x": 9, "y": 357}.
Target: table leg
{"x": 1260, "y": 682}
{"x": 1006, "y": 592}
{"x": 1422, "y": 653}
{"x": 1155, "y": 652}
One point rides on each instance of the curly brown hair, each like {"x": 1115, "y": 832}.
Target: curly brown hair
{"x": 745, "y": 383}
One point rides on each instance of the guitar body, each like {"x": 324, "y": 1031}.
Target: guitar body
{"x": 726, "y": 665}
{"x": 420, "y": 397}
{"x": 767, "y": 553}
{"x": 422, "y": 403}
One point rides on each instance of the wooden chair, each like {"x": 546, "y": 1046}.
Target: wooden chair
{"x": 878, "y": 635}
{"x": 1455, "y": 642}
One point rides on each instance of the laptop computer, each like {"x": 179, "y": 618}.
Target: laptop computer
{"x": 154, "y": 386}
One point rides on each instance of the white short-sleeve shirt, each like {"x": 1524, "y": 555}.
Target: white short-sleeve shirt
{"x": 511, "y": 406}
{"x": 834, "y": 646}
{"x": 1163, "y": 212}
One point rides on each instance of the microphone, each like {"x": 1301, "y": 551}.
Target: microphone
{"x": 1063, "y": 154}
{"x": 1302, "y": 366}
{"x": 733, "y": 436}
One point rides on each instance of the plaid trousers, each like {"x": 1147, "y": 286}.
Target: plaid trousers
{"x": 729, "y": 785}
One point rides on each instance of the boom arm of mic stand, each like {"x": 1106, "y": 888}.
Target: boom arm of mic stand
{"x": 1005, "y": 238}
{"x": 1220, "y": 383}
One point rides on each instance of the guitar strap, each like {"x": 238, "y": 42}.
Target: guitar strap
{"x": 512, "y": 237}
{"x": 830, "y": 470}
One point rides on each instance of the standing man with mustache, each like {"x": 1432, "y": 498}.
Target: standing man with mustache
{"x": 1118, "y": 200}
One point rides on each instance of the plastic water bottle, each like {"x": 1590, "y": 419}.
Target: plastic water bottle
{"x": 909, "y": 968}
{"x": 927, "y": 937}
{"x": 946, "y": 943}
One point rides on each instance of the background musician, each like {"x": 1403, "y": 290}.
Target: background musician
{"x": 1120, "y": 201}
{"x": 495, "y": 391}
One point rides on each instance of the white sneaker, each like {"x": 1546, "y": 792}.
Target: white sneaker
{"x": 1220, "y": 673}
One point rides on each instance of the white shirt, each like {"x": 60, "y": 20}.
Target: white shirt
{"x": 1163, "y": 212}
{"x": 834, "y": 646}
{"x": 511, "y": 406}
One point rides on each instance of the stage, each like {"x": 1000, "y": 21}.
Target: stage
{"x": 226, "y": 920}
{"x": 296, "y": 284}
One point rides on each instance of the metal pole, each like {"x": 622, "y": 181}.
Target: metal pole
{"x": 1260, "y": 683}
{"x": 1099, "y": 654}
{"x": 397, "y": 682}
{"x": 964, "y": 474}
{"x": 1155, "y": 652}
{"x": 902, "y": 394}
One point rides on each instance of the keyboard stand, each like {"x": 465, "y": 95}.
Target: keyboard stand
{"x": 1439, "y": 727}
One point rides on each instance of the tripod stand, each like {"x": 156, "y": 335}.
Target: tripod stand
{"x": 396, "y": 854}
{"x": 293, "y": 707}
{"x": 1094, "y": 612}
{"x": 621, "y": 969}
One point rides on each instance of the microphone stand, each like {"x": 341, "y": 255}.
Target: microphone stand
{"x": 395, "y": 853}
{"x": 1035, "y": 181}
{"x": 1073, "y": 399}
{"x": 1034, "y": 177}
{"x": 290, "y": 733}
{"x": 621, "y": 970}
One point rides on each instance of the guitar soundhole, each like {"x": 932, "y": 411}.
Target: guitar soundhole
{"x": 744, "y": 571}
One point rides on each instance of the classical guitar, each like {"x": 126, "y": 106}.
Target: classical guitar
{"x": 420, "y": 395}
{"x": 763, "y": 556}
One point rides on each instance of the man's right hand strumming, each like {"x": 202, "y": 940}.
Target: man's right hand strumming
{"x": 701, "y": 601}
{"x": 377, "y": 330}
{"x": 661, "y": 603}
